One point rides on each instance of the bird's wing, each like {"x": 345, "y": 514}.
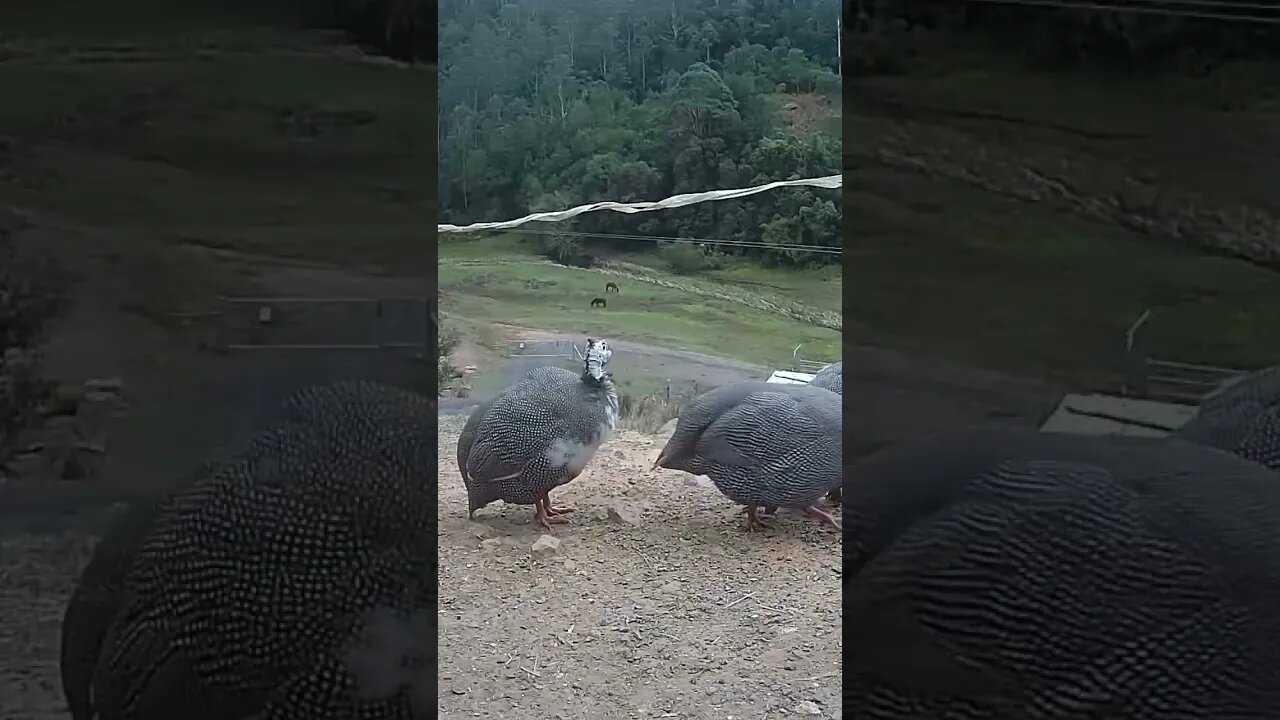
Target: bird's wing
{"x": 765, "y": 428}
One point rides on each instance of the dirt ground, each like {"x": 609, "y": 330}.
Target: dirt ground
{"x": 656, "y": 604}
{"x": 37, "y": 573}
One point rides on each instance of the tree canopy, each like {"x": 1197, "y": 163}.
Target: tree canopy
{"x": 545, "y": 104}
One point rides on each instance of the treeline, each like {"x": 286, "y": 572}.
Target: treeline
{"x": 886, "y": 36}
{"x": 545, "y": 104}
{"x": 402, "y": 29}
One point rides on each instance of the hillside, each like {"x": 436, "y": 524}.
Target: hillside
{"x": 1023, "y": 218}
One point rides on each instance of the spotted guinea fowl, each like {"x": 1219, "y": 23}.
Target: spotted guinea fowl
{"x": 830, "y": 378}
{"x": 1016, "y": 575}
{"x": 95, "y": 600}
{"x": 538, "y": 435}
{"x": 294, "y": 580}
{"x": 762, "y": 445}
{"x": 1243, "y": 418}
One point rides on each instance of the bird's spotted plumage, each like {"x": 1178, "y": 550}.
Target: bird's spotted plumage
{"x": 257, "y": 589}
{"x": 537, "y": 434}
{"x": 1243, "y": 418}
{"x": 760, "y": 443}
{"x": 1008, "y": 574}
{"x": 830, "y": 378}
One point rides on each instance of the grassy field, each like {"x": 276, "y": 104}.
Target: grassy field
{"x": 216, "y": 124}
{"x": 945, "y": 267}
{"x": 524, "y": 292}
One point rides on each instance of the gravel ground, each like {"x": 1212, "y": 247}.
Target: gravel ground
{"x": 35, "y": 578}
{"x": 656, "y": 604}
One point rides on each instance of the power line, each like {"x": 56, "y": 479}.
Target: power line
{"x": 1219, "y": 4}
{"x": 755, "y": 244}
{"x": 1071, "y": 5}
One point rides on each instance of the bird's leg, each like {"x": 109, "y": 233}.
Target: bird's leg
{"x": 754, "y": 521}
{"x": 542, "y": 517}
{"x": 824, "y": 516}
{"x": 552, "y": 510}
{"x": 766, "y": 513}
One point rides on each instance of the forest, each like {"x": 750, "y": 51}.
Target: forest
{"x": 546, "y": 104}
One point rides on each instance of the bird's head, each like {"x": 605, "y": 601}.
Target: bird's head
{"x": 597, "y": 357}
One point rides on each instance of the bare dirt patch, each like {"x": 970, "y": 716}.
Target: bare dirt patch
{"x": 35, "y": 579}
{"x": 675, "y": 613}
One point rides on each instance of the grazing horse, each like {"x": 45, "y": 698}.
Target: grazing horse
{"x": 611, "y": 287}
{"x": 598, "y": 302}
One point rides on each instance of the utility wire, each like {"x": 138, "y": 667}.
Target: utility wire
{"x": 1071, "y": 5}
{"x": 822, "y": 249}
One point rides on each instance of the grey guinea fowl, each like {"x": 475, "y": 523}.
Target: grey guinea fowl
{"x": 538, "y": 435}
{"x": 98, "y": 593}
{"x": 762, "y": 444}
{"x": 1016, "y": 575}
{"x": 1243, "y": 418}
{"x": 294, "y": 581}
{"x": 830, "y": 378}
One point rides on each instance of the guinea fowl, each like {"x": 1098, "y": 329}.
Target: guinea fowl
{"x": 1015, "y": 575}
{"x": 292, "y": 581}
{"x": 1242, "y": 418}
{"x": 830, "y": 378}
{"x": 538, "y": 435}
{"x": 762, "y": 444}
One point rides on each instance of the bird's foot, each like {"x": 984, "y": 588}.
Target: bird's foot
{"x": 824, "y": 516}
{"x": 754, "y": 520}
{"x": 765, "y": 513}
{"x": 552, "y": 510}
{"x": 547, "y": 521}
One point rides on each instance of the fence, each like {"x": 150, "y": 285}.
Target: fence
{"x": 325, "y": 323}
{"x": 1168, "y": 380}
{"x": 800, "y": 364}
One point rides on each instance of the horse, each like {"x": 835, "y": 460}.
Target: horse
{"x": 611, "y": 287}
{"x": 598, "y": 302}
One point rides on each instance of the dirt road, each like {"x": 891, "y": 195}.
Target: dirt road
{"x": 655, "y": 604}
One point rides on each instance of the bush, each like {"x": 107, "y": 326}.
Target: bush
{"x": 447, "y": 340}
{"x": 685, "y": 258}
{"x": 31, "y": 293}
{"x": 648, "y": 413}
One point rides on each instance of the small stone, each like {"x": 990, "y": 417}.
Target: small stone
{"x": 774, "y": 657}
{"x": 600, "y": 513}
{"x": 490, "y": 544}
{"x": 807, "y": 708}
{"x": 545, "y": 545}
{"x": 624, "y": 513}
{"x": 671, "y": 587}
{"x": 480, "y": 530}
{"x": 691, "y": 480}
{"x": 570, "y": 565}
{"x": 463, "y": 392}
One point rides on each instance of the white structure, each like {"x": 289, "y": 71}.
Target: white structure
{"x": 790, "y": 377}
{"x": 1111, "y": 415}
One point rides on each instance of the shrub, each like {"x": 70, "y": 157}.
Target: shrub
{"x": 686, "y": 258}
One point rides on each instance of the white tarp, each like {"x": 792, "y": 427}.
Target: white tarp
{"x": 831, "y": 182}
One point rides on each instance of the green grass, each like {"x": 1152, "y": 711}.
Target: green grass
{"x": 268, "y": 142}
{"x": 954, "y": 271}
{"x": 644, "y": 313}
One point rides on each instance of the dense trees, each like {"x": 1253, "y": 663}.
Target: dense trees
{"x": 544, "y": 104}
